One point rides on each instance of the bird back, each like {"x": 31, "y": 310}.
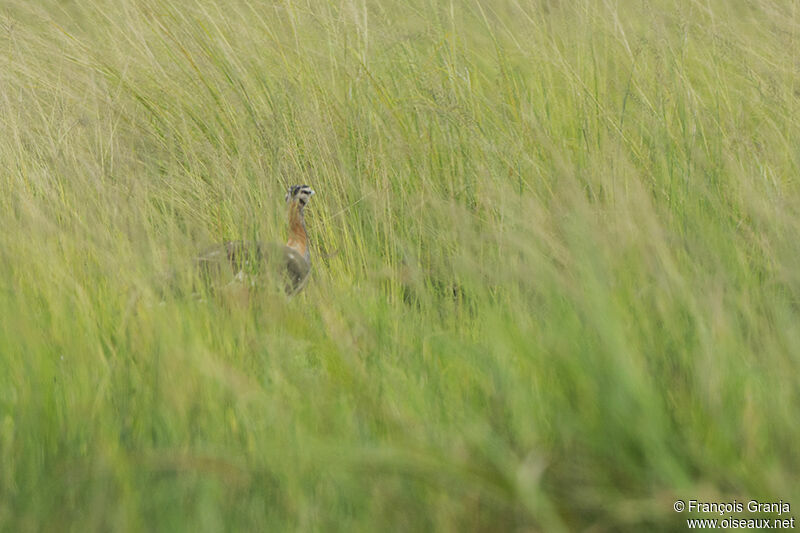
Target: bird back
{"x": 253, "y": 261}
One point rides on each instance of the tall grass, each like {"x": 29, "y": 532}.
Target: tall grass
{"x": 556, "y": 279}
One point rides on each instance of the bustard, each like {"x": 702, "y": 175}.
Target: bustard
{"x": 245, "y": 259}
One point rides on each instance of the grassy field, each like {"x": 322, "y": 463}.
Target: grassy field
{"x": 556, "y": 279}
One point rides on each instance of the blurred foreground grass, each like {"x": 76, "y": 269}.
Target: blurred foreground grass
{"x": 556, "y": 281}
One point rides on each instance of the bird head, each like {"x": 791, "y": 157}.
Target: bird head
{"x": 300, "y": 194}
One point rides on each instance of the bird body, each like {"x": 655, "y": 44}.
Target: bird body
{"x": 247, "y": 260}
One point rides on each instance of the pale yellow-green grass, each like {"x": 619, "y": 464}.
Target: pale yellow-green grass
{"x": 556, "y": 279}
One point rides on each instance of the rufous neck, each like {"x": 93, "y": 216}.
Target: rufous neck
{"x": 298, "y": 240}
